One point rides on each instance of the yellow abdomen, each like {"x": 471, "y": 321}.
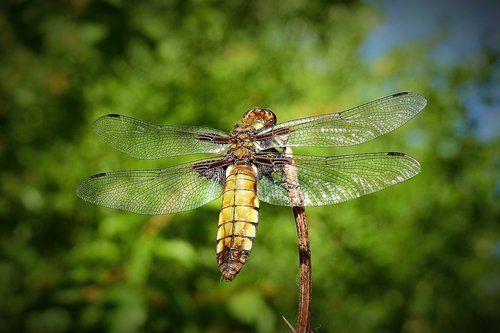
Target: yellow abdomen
{"x": 237, "y": 220}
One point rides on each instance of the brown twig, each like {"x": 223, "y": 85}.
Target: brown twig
{"x": 299, "y": 212}
{"x": 305, "y": 286}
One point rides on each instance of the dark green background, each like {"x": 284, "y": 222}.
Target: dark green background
{"x": 423, "y": 256}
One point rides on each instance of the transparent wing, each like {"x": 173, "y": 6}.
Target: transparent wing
{"x": 159, "y": 191}
{"x": 145, "y": 140}
{"x": 350, "y": 127}
{"x": 331, "y": 180}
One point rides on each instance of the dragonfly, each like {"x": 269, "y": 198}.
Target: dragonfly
{"x": 250, "y": 165}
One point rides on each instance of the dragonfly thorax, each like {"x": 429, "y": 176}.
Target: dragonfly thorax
{"x": 243, "y": 147}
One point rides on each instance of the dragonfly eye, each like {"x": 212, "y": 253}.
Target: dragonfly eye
{"x": 259, "y": 115}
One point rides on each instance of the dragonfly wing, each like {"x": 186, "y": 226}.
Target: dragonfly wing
{"x": 159, "y": 191}
{"x": 350, "y": 127}
{"x": 145, "y": 140}
{"x": 331, "y": 180}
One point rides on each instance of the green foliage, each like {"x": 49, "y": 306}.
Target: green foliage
{"x": 419, "y": 257}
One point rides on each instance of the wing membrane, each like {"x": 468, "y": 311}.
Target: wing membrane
{"x": 331, "y": 180}
{"x": 145, "y": 140}
{"x": 159, "y": 191}
{"x": 350, "y": 127}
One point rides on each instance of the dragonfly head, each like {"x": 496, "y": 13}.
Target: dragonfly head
{"x": 259, "y": 118}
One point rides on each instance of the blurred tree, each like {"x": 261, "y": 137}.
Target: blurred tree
{"x": 420, "y": 257}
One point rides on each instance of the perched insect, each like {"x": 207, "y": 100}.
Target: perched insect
{"x": 250, "y": 166}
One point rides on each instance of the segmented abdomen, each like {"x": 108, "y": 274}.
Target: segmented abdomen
{"x": 237, "y": 220}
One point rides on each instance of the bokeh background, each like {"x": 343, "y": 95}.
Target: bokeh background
{"x": 423, "y": 256}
